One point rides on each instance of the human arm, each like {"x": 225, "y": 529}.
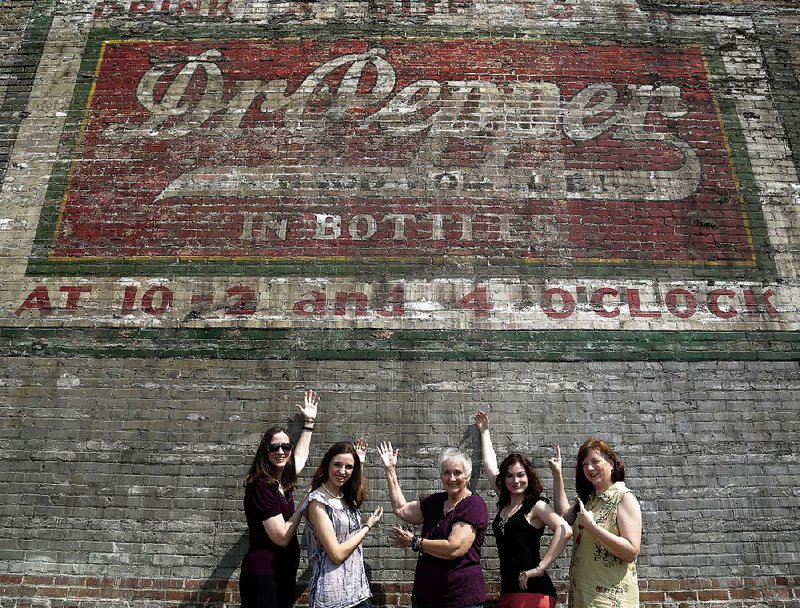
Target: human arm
{"x": 489, "y": 455}
{"x": 309, "y": 411}
{"x": 627, "y": 544}
{"x": 323, "y": 527}
{"x": 281, "y": 531}
{"x": 409, "y": 512}
{"x": 562, "y": 532}
{"x": 454, "y": 546}
{"x": 560, "y": 501}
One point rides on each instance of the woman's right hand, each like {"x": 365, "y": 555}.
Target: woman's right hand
{"x": 387, "y": 454}
{"x": 482, "y": 421}
{"x": 555, "y": 463}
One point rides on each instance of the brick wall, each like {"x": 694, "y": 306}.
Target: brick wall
{"x": 581, "y": 215}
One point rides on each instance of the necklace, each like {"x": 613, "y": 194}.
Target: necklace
{"x": 504, "y": 519}
{"x": 331, "y": 494}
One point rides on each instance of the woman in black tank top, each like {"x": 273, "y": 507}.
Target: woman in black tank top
{"x": 518, "y": 527}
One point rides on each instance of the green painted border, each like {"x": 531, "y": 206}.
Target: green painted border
{"x": 786, "y": 86}
{"x": 39, "y": 264}
{"x": 402, "y": 345}
{"x": 23, "y": 73}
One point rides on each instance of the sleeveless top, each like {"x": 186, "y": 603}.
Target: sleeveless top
{"x": 518, "y": 547}
{"x": 333, "y": 586}
{"x": 598, "y": 579}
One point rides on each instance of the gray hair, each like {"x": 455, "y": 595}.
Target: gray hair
{"x": 456, "y": 454}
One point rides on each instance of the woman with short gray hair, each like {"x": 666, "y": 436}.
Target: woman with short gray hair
{"x": 454, "y": 522}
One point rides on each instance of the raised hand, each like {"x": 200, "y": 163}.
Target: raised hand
{"x": 387, "y": 454}
{"x": 482, "y": 421}
{"x": 310, "y": 405}
{"x": 374, "y": 519}
{"x": 360, "y": 445}
{"x": 555, "y": 462}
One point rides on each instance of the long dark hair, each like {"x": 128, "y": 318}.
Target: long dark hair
{"x": 583, "y": 486}
{"x": 532, "y": 493}
{"x": 262, "y": 468}
{"x": 354, "y": 490}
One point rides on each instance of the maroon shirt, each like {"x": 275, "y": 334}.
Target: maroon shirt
{"x": 263, "y": 557}
{"x": 451, "y": 583}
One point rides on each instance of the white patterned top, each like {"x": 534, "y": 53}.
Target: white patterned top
{"x": 335, "y": 586}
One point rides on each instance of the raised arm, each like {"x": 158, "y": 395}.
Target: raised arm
{"x": 323, "y": 528}
{"x": 560, "y": 501}
{"x": 409, "y": 512}
{"x": 562, "y": 532}
{"x": 489, "y": 456}
{"x": 626, "y": 546}
{"x": 309, "y": 411}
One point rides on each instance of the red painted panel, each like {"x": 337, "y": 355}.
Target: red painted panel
{"x": 434, "y": 150}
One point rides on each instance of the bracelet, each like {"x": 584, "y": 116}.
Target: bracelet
{"x": 415, "y": 541}
{"x": 308, "y": 428}
{"x": 366, "y": 526}
{"x": 310, "y": 421}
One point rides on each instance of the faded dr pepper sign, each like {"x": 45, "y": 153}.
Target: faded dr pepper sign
{"x": 445, "y": 151}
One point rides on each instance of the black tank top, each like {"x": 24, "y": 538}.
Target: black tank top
{"x": 518, "y": 547}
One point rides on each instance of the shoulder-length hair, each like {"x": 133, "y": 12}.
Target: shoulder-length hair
{"x": 354, "y": 490}
{"x": 263, "y": 469}
{"x": 532, "y": 493}
{"x": 583, "y": 486}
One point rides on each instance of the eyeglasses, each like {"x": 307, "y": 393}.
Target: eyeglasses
{"x": 274, "y": 447}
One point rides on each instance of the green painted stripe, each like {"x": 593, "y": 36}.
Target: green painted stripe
{"x": 401, "y": 345}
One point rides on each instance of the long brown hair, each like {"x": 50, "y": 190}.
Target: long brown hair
{"x": 262, "y": 468}
{"x": 583, "y": 486}
{"x": 532, "y": 493}
{"x": 354, "y": 490}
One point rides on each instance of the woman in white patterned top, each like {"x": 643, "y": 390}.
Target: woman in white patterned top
{"x": 335, "y": 532}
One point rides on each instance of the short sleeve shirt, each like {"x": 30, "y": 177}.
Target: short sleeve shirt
{"x": 451, "y": 583}
{"x": 261, "y": 502}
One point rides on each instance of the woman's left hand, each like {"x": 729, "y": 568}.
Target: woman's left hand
{"x": 360, "y": 446}
{"x": 585, "y": 517}
{"x": 400, "y": 537}
{"x": 526, "y": 574}
{"x": 310, "y": 405}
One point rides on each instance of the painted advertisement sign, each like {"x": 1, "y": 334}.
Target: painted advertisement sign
{"x": 442, "y": 152}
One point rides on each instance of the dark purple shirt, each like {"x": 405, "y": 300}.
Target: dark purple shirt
{"x": 451, "y": 583}
{"x": 263, "y": 557}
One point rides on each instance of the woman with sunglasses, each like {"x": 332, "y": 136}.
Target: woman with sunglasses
{"x": 269, "y": 567}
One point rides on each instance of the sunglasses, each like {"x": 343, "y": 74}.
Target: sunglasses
{"x": 274, "y": 447}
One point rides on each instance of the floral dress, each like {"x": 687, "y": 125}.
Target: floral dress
{"x": 598, "y": 579}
